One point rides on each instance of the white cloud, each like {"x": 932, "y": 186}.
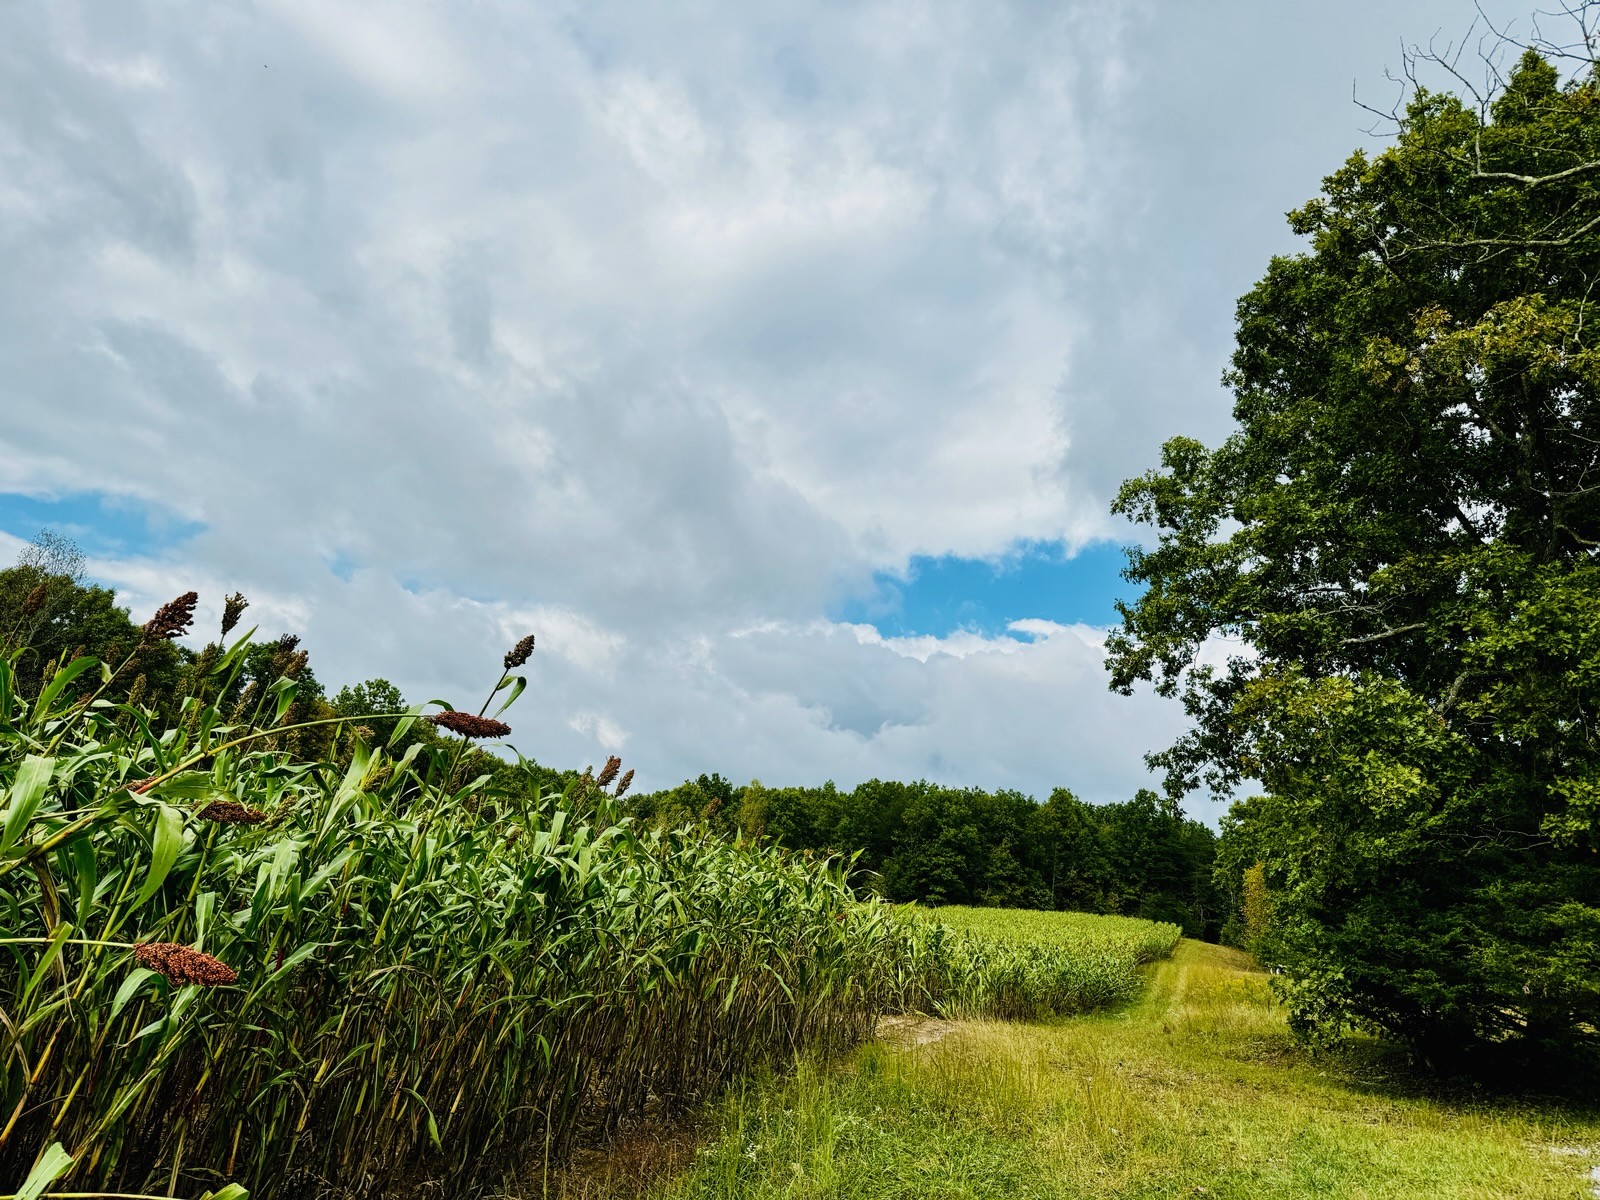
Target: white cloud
{"x": 652, "y": 330}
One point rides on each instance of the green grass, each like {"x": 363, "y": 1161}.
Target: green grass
{"x": 1193, "y": 1090}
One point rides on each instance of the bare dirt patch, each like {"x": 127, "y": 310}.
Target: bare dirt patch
{"x": 913, "y": 1031}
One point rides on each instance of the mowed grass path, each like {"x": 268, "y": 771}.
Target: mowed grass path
{"x": 1192, "y": 1090}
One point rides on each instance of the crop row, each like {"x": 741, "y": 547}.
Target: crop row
{"x": 1018, "y": 964}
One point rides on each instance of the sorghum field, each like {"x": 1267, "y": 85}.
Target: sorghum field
{"x": 227, "y": 969}
{"x": 1013, "y": 964}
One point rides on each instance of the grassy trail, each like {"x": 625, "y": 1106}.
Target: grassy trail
{"x": 1192, "y": 1090}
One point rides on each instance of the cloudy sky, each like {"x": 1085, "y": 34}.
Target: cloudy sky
{"x": 773, "y": 363}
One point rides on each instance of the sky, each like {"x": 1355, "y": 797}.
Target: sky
{"x": 775, "y": 365}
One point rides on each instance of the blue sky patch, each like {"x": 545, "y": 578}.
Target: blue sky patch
{"x": 104, "y": 526}
{"x": 942, "y": 594}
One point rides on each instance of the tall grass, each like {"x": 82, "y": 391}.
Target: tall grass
{"x": 436, "y": 980}
{"x": 1019, "y": 964}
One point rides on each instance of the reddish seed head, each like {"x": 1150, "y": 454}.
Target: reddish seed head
{"x": 470, "y": 726}
{"x": 35, "y": 600}
{"x": 140, "y": 786}
{"x": 182, "y": 964}
{"x": 232, "y": 609}
{"x": 231, "y": 812}
{"x": 520, "y": 653}
{"x": 609, "y": 771}
{"x": 172, "y": 619}
{"x": 625, "y": 781}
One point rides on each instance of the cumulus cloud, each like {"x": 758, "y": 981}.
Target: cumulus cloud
{"x": 653, "y": 329}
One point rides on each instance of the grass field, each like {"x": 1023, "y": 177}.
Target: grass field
{"x": 1192, "y": 1090}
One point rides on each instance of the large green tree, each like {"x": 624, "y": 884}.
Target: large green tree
{"x": 1392, "y": 567}
{"x": 49, "y": 616}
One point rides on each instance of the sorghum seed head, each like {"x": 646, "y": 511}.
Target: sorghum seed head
{"x": 140, "y": 786}
{"x": 172, "y": 619}
{"x": 182, "y": 964}
{"x": 232, "y": 609}
{"x": 35, "y": 600}
{"x": 284, "y": 655}
{"x": 470, "y": 726}
{"x": 520, "y": 653}
{"x": 609, "y": 771}
{"x": 625, "y": 782}
{"x": 231, "y": 812}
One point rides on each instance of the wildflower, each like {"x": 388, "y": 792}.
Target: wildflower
{"x": 232, "y": 609}
{"x": 470, "y": 726}
{"x": 625, "y": 781}
{"x": 519, "y": 653}
{"x": 609, "y": 771}
{"x": 172, "y": 619}
{"x": 231, "y": 812}
{"x": 181, "y": 964}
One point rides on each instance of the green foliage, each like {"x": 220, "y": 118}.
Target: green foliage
{"x": 380, "y": 696}
{"x": 1401, "y": 537}
{"x": 437, "y": 977}
{"x": 1255, "y": 907}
